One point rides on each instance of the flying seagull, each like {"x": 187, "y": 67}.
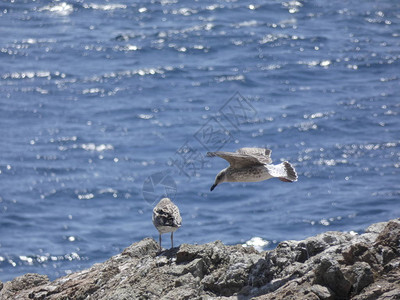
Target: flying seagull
{"x": 166, "y": 218}
{"x": 252, "y": 165}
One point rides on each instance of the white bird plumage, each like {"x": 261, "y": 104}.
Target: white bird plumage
{"x": 252, "y": 165}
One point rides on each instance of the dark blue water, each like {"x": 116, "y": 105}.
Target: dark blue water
{"x": 97, "y": 98}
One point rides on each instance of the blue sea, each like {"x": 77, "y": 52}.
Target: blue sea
{"x": 107, "y": 106}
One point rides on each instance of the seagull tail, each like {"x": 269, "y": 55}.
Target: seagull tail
{"x": 290, "y": 173}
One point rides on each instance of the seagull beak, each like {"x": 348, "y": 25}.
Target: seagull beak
{"x": 213, "y": 187}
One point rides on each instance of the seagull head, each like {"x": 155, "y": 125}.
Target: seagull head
{"x": 220, "y": 178}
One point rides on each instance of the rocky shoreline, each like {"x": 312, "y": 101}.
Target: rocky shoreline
{"x": 332, "y": 265}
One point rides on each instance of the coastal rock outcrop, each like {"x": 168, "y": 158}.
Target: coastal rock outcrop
{"x": 332, "y": 265}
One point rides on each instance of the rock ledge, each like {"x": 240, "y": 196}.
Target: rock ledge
{"x": 332, "y": 265}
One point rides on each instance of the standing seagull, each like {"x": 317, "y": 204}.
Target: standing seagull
{"x": 166, "y": 218}
{"x": 252, "y": 165}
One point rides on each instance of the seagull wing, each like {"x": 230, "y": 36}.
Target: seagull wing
{"x": 262, "y": 154}
{"x": 237, "y": 160}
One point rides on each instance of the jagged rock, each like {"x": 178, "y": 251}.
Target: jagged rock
{"x": 329, "y": 274}
{"x": 322, "y": 292}
{"x": 146, "y": 246}
{"x": 389, "y": 236}
{"x": 11, "y": 288}
{"x": 332, "y": 265}
{"x": 361, "y": 276}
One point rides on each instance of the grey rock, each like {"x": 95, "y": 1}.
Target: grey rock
{"x": 11, "y": 289}
{"x": 144, "y": 247}
{"x": 322, "y": 292}
{"x": 361, "y": 276}
{"x": 389, "y": 236}
{"x": 376, "y": 228}
{"x": 329, "y": 274}
{"x": 332, "y": 265}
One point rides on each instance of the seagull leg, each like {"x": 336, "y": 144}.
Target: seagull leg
{"x": 159, "y": 240}
{"x": 172, "y": 240}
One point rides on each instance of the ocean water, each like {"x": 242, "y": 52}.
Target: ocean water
{"x": 107, "y": 105}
